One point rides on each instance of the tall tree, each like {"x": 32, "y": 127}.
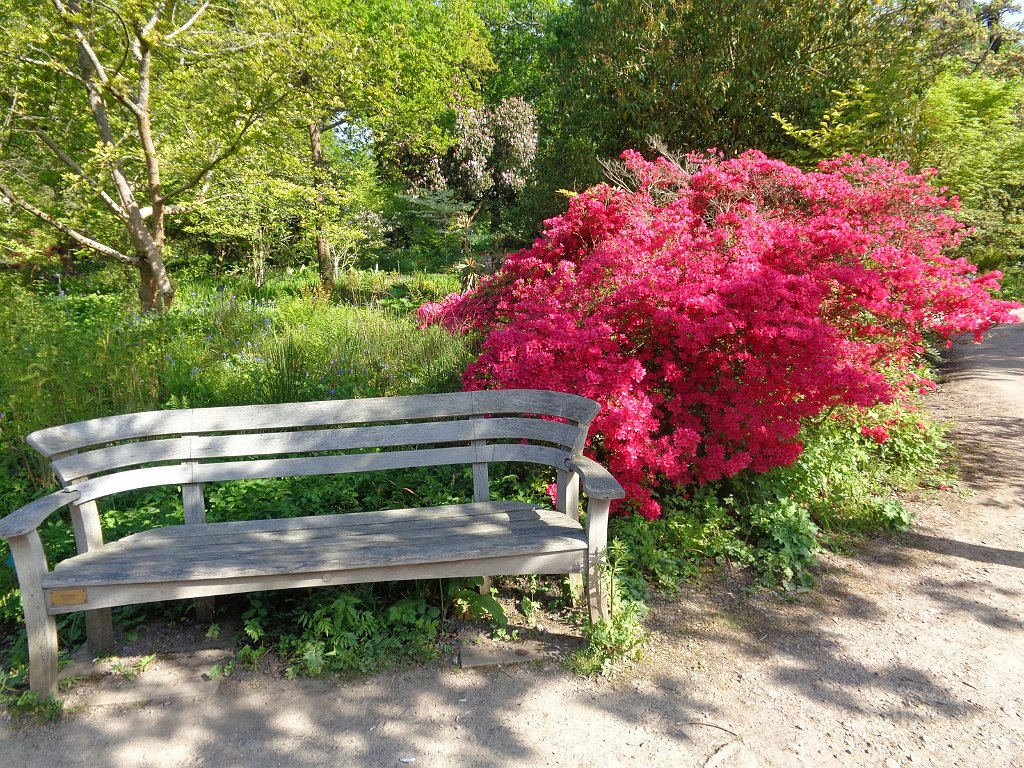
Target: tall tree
{"x": 517, "y": 35}
{"x": 388, "y": 71}
{"x": 488, "y": 167}
{"x": 117, "y": 112}
{"x": 711, "y": 73}
{"x": 494, "y": 158}
{"x": 971, "y": 129}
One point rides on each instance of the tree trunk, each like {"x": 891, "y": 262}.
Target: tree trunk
{"x": 496, "y": 223}
{"x": 156, "y": 294}
{"x": 147, "y": 286}
{"x": 323, "y": 254}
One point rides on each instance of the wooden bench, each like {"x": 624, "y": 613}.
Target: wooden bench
{"x": 187, "y": 448}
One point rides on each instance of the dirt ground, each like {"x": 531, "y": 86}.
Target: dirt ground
{"x": 910, "y": 652}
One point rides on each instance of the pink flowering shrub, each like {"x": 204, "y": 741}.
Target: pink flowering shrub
{"x": 711, "y": 310}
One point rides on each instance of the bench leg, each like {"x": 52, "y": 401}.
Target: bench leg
{"x": 194, "y": 503}
{"x": 485, "y": 585}
{"x": 576, "y": 588}
{"x": 30, "y": 563}
{"x": 204, "y": 609}
{"x": 597, "y": 597}
{"x": 99, "y": 631}
{"x": 597, "y": 536}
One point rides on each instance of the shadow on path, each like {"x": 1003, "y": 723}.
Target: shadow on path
{"x": 1010, "y": 557}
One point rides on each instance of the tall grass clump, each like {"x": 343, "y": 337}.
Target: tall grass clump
{"x": 299, "y": 349}
{"x": 72, "y": 357}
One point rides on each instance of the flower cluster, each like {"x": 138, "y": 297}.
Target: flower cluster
{"x": 711, "y": 310}
{"x": 879, "y": 433}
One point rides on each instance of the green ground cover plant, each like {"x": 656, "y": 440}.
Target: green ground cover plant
{"x": 845, "y": 484}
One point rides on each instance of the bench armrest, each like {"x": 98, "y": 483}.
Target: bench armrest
{"x": 598, "y": 482}
{"x": 29, "y": 517}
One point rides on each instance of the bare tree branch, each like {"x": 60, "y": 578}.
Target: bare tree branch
{"x": 192, "y": 20}
{"x": 98, "y": 107}
{"x": 155, "y": 18}
{"x": 83, "y": 240}
{"x": 83, "y": 41}
{"x": 43, "y": 136}
{"x": 127, "y": 39}
{"x": 124, "y": 100}
{"x": 10, "y": 113}
{"x": 336, "y": 124}
{"x": 55, "y": 67}
{"x": 87, "y": 52}
{"x": 195, "y": 55}
{"x": 170, "y": 210}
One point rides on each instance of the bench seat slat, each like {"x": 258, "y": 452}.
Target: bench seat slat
{"x": 191, "y": 448}
{"x": 207, "y": 539}
{"x": 335, "y": 524}
{"x": 305, "y": 551}
{"x": 131, "y": 594}
{"x": 299, "y": 550}
{"x": 200, "y": 447}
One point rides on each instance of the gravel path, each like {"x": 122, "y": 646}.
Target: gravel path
{"x": 910, "y": 652}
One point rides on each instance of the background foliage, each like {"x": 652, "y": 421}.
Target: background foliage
{"x": 394, "y": 90}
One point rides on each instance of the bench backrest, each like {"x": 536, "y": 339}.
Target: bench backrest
{"x": 189, "y": 447}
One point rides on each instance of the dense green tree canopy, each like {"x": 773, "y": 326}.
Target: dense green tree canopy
{"x": 291, "y": 130}
{"x": 116, "y": 113}
{"x": 713, "y": 73}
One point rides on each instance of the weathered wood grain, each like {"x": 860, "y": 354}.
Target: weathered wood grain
{"x": 99, "y": 627}
{"x": 112, "y": 596}
{"x": 193, "y": 503}
{"x": 390, "y": 551}
{"x": 597, "y": 539}
{"x": 200, "y": 447}
{"x": 481, "y": 478}
{"x": 192, "y": 447}
{"x": 132, "y": 479}
{"x": 69, "y": 437}
{"x": 568, "y": 503}
{"x": 85, "y": 519}
{"x": 597, "y": 481}
{"x": 303, "y": 549}
{"x": 194, "y": 511}
{"x": 241, "y": 542}
{"x": 30, "y": 563}
{"x": 298, "y": 546}
{"x": 29, "y": 517}
{"x": 332, "y": 524}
